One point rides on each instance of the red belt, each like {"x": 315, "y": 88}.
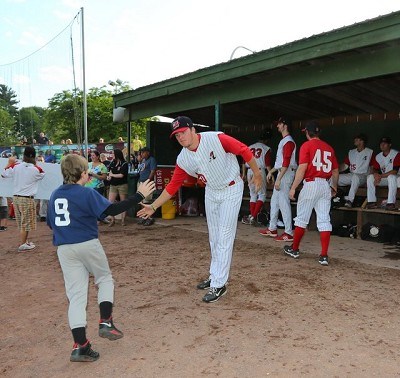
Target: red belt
{"x": 232, "y": 183}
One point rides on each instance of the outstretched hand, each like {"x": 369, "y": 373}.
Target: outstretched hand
{"x": 146, "y": 188}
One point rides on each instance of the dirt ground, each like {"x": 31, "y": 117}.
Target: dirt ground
{"x": 280, "y": 317}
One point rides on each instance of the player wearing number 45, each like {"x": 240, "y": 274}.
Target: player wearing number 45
{"x": 317, "y": 165}
{"x": 73, "y": 212}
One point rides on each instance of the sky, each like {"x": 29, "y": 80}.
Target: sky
{"x": 142, "y": 42}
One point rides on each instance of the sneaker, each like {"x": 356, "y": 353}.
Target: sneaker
{"x": 288, "y": 249}
{"x": 348, "y": 204}
{"x": 284, "y": 237}
{"x": 323, "y": 260}
{"x": 372, "y": 205}
{"x": 3, "y": 228}
{"x": 83, "y": 353}
{"x": 108, "y": 330}
{"x": 268, "y": 232}
{"x": 26, "y": 247}
{"x": 141, "y": 220}
{"x": 203, "y": 285}
{"x": 214, "y": 294}
{"x": 42, "y": 219}
{"x": 248, "y": 220}
{"x": 390, "y": 206}
{"x": 148, "y": 222}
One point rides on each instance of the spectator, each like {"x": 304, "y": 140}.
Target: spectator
{"x": 147, "y": 170}
{"x": 137, "y": 144}
{"x": 118, "y": 177}
{"x": 68, "y": 141}
{"x": 3, "y": 213}
{"x": 62, "y": 141}
{"x": 49, "y": 157}
{"x": 97, "y": 173}
{"x": 43, "y": 202}
{"x": 106, "y": 162}
{"x": 120, "y": 139}
{"x": 26, "y": 177}
{"x": 43, "y": 139}
{"x": 101, "y": 140}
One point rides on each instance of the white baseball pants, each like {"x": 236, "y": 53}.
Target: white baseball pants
{"x": 390, "y": 182}
{"x": 314, "y": 195}
{"x": 222, "y": 209}
{"x": 280, "y": 201}
{"x": 77, "y": 262}
{"x": 354, "y": 180}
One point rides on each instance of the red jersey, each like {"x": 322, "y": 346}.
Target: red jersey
{"x": 319, "y": 157}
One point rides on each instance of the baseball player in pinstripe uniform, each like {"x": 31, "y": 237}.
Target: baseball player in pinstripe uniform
{"x": 286, "y": 165}
{"x": 211, "y": 157}
{"x": 386, "y": 166}
{"x": 317, "y": 165}
{"x": 262, "y": 154}
{"x": 358, "y": 161}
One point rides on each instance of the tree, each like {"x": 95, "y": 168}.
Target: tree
{"x": 8, "y": 100}
{"x": 30, "y": 122}
{"x": 8, "y": 136}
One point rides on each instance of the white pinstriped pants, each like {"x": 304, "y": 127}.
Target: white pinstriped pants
{"x": 390, "y": 182}
{"x": 261, "y": 195}
{"x": 280, "y": 201}
{"x": 354, "y": 180}
{"x": 314, "y": 195}
{"x": 222, "y": 209}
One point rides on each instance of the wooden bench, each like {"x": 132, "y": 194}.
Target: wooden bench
{"x": 363, "y": 215}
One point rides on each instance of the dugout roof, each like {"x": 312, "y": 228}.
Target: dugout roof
{"x": 353, "y": 71}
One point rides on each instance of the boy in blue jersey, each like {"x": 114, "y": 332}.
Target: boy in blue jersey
{"x": 73, "y": 212}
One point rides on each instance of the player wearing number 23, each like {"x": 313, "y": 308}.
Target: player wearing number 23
{"x": 317, "y": 165}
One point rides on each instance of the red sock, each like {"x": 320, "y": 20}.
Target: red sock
{"x": 257, "y": 208}
{"x": 325, "y": 236}
{"x": 252, "y": 205}
{"x": 298, "y": 235}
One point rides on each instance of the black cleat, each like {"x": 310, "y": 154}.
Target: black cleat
{"x": 323, "y": 260}
{"x": 203, "y": 285}
{"x": 288, "y": 249}
{"x": 109, "y": 331}
{"x": 214, "y": 294}
{"x": 83, "y": 353}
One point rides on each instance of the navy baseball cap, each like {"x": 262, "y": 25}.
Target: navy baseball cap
{"x": 312, "y": 126}
{"x": 386, "y": 140}
{"x": 180, "y": 124}
{"x": 284, "y": 120}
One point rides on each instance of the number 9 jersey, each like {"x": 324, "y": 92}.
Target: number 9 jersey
{"x": 320, "y": 159}
{"x": 72, "y": 213}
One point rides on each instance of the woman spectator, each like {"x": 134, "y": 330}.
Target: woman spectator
{"x": 97, "y": 173}
{"x": 118, "y": 177}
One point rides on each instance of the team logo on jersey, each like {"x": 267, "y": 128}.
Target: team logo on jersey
{"x": 365, "y": 158}
{"x": 212, "y": 156}
{"x": 202, "y": 178}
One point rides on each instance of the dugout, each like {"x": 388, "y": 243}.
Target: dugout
{"x": 347, "y": 79}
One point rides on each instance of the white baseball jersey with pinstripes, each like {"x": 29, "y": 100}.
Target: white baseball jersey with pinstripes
{"x": 259, "y": 151}
{"x": 360, "y": 160}
{"x": 279, "y": 153}
{"x": 223, "y": 197}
